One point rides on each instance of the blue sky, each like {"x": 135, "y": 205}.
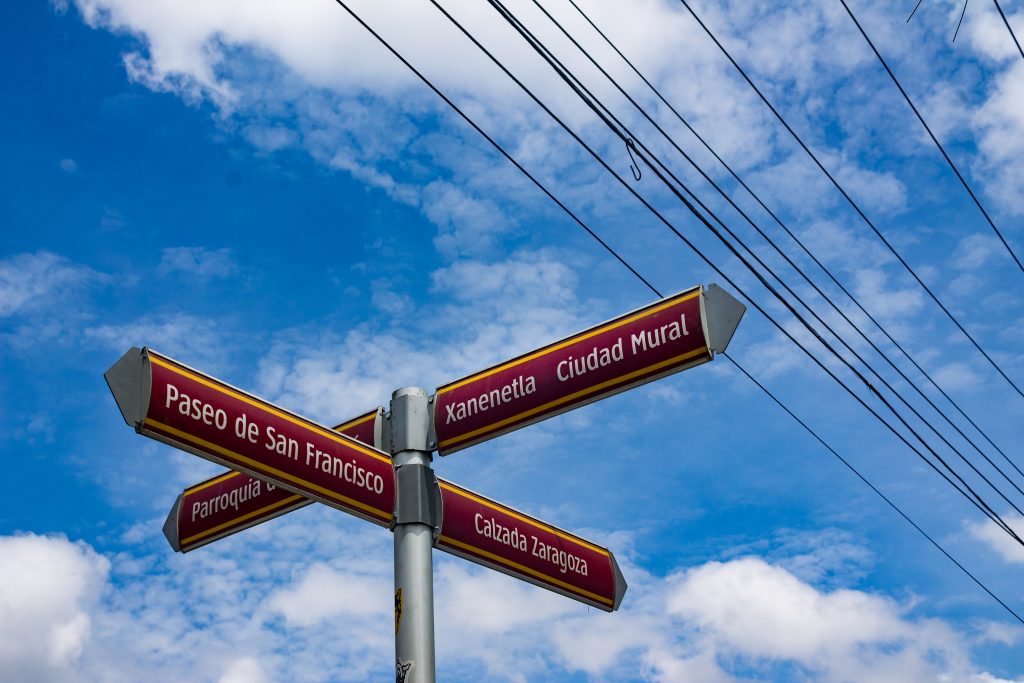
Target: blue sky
{"x": 262, "y": 192}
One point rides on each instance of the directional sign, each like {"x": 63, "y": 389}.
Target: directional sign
{"x": 496, "y": 536}
{"x": 660, "y": 339}
{"x": 170, "y": 402}
{"x": 234, "y": 501}
{"x": 473, "y": 527}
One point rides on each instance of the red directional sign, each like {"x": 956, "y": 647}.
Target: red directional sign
{"x": 234, "y": 501}
{"x": 660, "y": 339}
{"x": 501, "y": 538}
{"x": 170, "y": 402}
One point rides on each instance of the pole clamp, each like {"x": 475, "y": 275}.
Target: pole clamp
{"x": 418, "y": 496}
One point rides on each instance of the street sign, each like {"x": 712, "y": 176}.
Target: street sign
{"x": 496, "y": 536}
{"x": 283, "y": 461}
{"x": 170, "y": 402}
{"x": 662, "y": 338}
{"x": 472, "y": 527}
{"x": 233, "y": 501}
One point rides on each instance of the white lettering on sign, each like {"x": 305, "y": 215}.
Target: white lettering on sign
{"x": 281, "y": 444}
{"x": 649, "y": 339}
{"x": 488, "y": 527}
{"x": 518, "y": 388}
{"x": 347, "y": 470}
{"x": 493, "y": 529}
{"x": 563, "y": 560}
{"x": 196, "y": 409}
{"x": 597, "y": 358}
{"x": 205, "y": 508}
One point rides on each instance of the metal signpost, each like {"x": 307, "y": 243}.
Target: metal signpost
{"x": 283, "y": 461}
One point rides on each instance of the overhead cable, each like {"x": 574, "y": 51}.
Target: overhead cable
{"x": 660, "y": 170}
{"x": 969, "y": 494}
{"x": 873, "y": 487}
{"x": 823, "y": 267}
{"x": 656, "y": 292}
{"x": 853, "y": 203}
{"x": 630, "y": 143}
{"x": 917, "y": 113}
{"x": 1009, "y": 28}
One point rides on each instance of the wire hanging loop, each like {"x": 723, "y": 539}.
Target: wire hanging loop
{"x": 630, "y": 148}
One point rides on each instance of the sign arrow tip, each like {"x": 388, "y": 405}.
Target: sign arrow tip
{"x": 171, "y": 525}
{"x": 724, "y": 312}
{"x": 620, "y": 582}
{"x": 126, "y": 378}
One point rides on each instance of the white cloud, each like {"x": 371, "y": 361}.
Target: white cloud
{"x": 976, "y": 251}
{"x": 360, "y": 110}
{"x": 197, "y": 262}
{"x": 193, "y": 340}
{"x": 484, "y": 604}
{"x": 999, "y": 125}
{"x": 387, "y": 300}
{"x": 988, "y": 35}
{"x": 878, "y": 192}
{"x": 331, "y": 378}
{"x": 887, "y": 300}
{"x": 113, "y": 220}
{"x": 244, "y": 670}
{"x": 776, "y": 356}
{"x": 989, "y": 678}
{"x": 957, "y": 376}
{"x": 501, "y": 309}
{"x": 667, "y": 668}
{"x": 749, "y": 608}
{"x": 998, "y": 540}
{"x": 767, "y": 612}
{"x": 73, "y": 615}
{"x": 48, "y": 587}
{"x": 68, "y": 165}
{"x": 999, "y": 632}
{"x": 468, "y": 225}
{"x": 324, "y": 593}
{"x": 29, "y": 282}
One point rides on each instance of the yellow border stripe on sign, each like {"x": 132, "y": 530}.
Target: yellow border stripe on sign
{"x": 571, "y": 340}
{"x": 255, "y": 513}
{"x": 346, "y": 441}
{"x": 207, "y": 484}
{"x": 234, "y": 473}
{"x": 522, "y": 518}
{"x": 355, "y": 421}
{"x": 579, "y": 394}
{"x": 267, "y": 469}
{"x": 527, "y": 570}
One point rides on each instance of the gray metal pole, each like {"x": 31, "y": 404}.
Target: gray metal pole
{"x": 416, "y": 518}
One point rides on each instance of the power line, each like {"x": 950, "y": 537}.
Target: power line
{"x": 872, "y": 486}
{"x": 1009, "y": 28}
{"x": 796, "y": 267}
{"x": 977, "y": 501}
{"x": 501, "y": 149}
{"x": 959, "y": 23}
{"x": 820, "y": 265}
{"x": 651, "y": 287}
{"x": 914, "y": 11}
{"x": 851, "y": 201}
{"x": 963, "y": 181}
{"x": 626, "y": 136}
{"x": 594, "y": 104}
